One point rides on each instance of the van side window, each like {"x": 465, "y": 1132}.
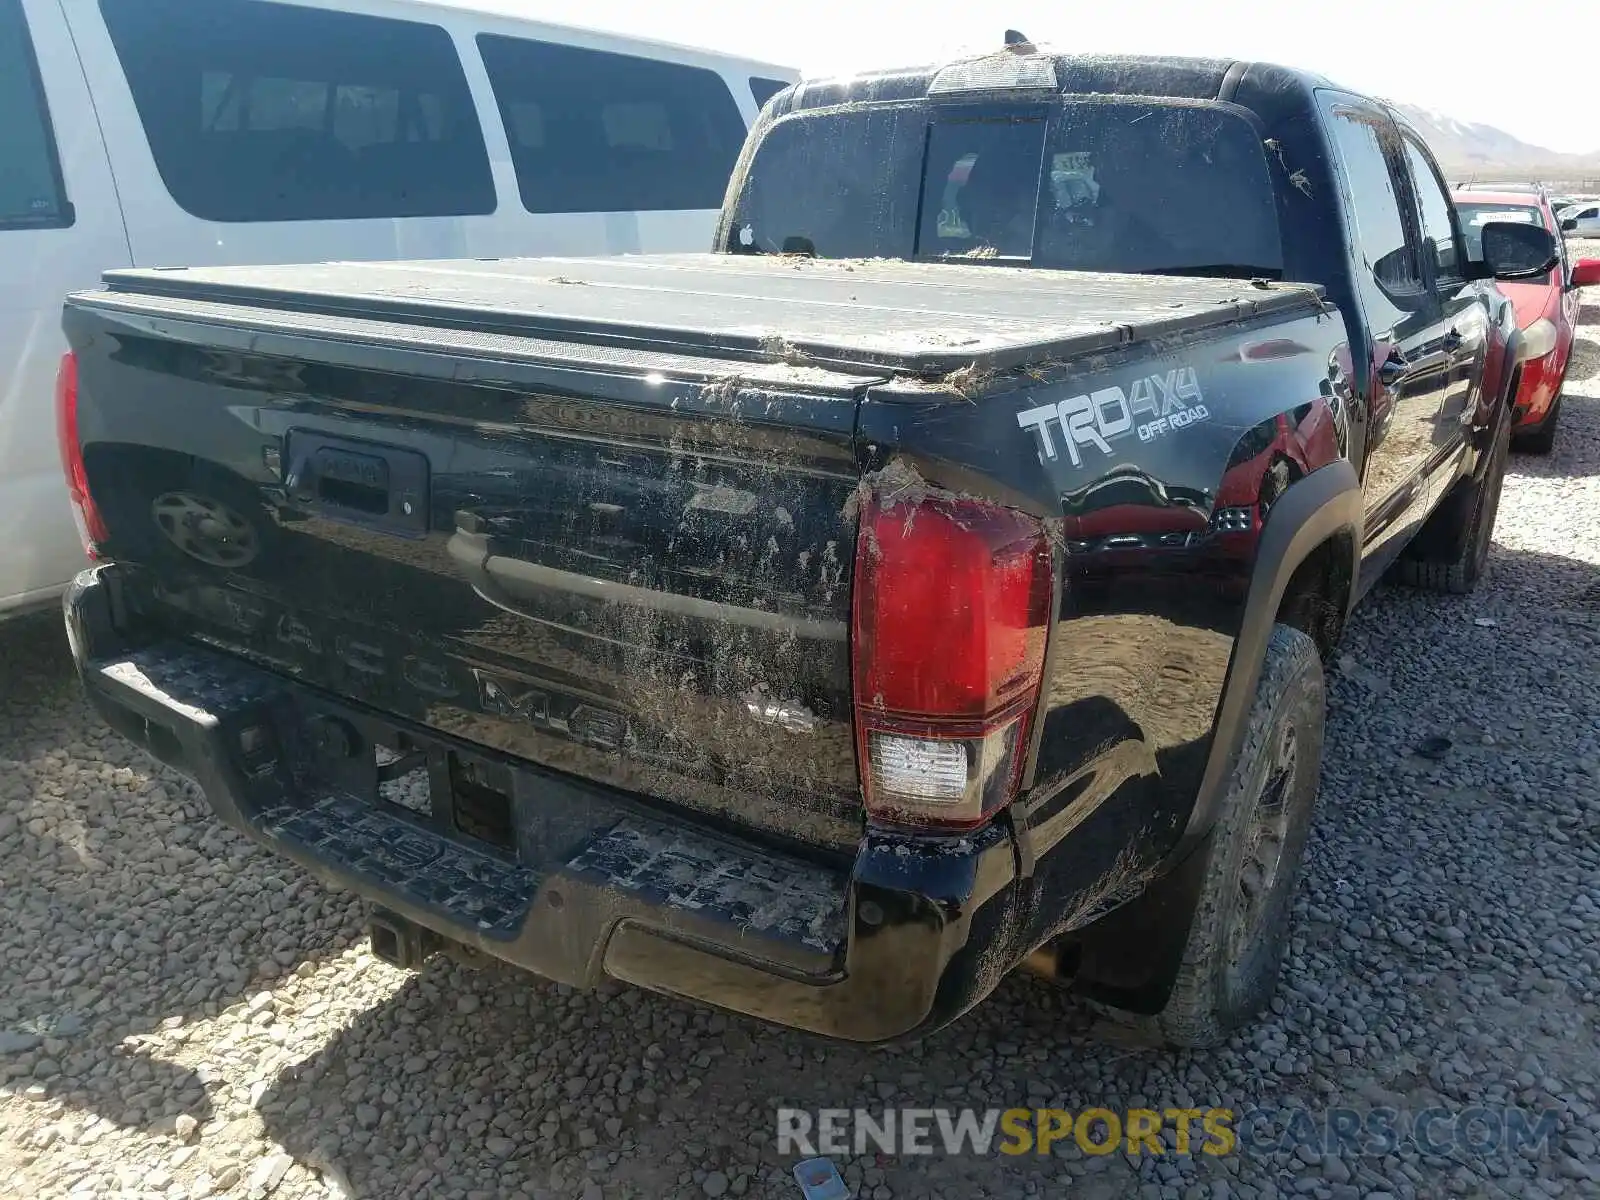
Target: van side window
{"x": 765, "y": 89}
{"x": 592, "y": 131}
{"x": 1389, "y": 267}
{"x": 31, "y": 193}
{"x": 275, "y": 112}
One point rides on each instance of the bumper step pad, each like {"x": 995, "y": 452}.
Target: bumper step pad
{"x": 475, "y": 889}
{"x": 766, "y": 897}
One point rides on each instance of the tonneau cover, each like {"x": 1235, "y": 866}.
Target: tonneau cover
{"x": 925, "y": 318}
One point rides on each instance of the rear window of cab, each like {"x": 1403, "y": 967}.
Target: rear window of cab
{"x": 1089, "y": 183}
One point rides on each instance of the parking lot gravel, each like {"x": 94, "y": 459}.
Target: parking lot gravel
{"x": 183, "y": 1015}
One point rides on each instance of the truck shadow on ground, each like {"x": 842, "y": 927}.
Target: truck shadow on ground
{"x": 539, "y": 1088}
{"x": 126, "y": 910}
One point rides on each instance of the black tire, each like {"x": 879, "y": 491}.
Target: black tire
{"x": 1471, "y": 529}
{"x": 1240, "y": 931}
{"x": 1543, "y": 439}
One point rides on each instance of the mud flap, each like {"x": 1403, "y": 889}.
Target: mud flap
{"x": 1129, "y": 958}
{"x": 1321, "y": 506}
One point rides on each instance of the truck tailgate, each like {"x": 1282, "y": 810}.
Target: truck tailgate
{"x": 628, "y": 565}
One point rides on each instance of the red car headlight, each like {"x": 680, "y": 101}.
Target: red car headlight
{"x": 1538, "y": 339}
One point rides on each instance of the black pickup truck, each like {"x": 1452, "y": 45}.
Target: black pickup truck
{"x": 934, "y": 579}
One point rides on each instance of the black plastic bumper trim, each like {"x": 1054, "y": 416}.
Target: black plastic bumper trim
{"x": 879, "y": 954}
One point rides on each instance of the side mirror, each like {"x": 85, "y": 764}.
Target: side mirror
{"x": 1569, "y": 224}
{"x": 1396, "y": 273}
{"x": 1586, "y": 273}
{"x": 1512, "y": 250}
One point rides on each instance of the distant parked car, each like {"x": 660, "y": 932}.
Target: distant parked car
{"x": 160, "y": 133}
{"x": 1581, "y": 220}
{"x": 1547, "y": 308}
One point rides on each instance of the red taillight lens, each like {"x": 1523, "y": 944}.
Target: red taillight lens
{"x": 91, "y": 527}
{"x": 951, "y": 611}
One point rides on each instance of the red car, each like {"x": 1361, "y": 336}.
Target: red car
{"x": 1547, "y": 309}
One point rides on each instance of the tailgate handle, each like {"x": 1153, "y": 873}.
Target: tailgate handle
{"x": 359, "y": 482}
{"x": 342, "y": 478}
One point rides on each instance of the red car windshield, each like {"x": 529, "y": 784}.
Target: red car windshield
{"x": 1475, "y": 216}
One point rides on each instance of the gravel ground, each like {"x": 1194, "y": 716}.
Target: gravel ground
{"x": 182, "y": 1015}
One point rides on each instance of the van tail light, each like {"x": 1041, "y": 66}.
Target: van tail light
{"x": 91, "y": 526}
{"x": 950, "y": 615}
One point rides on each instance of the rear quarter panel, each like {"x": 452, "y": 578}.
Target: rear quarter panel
{"x": 1157, "y": 523}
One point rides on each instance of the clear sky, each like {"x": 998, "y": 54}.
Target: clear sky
{"x": 1523, "y": 68}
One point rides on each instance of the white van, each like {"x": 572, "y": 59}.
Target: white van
{"x": 190, "y": 132}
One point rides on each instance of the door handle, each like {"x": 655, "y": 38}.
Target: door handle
{"x": 1393, "y": 369}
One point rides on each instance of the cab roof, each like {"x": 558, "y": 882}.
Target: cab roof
{"x": 1104, "y": 74}
{"x": 1274, "y": 92}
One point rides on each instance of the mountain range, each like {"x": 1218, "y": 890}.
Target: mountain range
{"x": 1467, "y": 150}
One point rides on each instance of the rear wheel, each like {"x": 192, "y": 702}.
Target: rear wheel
{"x": 1466, "y": 524}
{"x": 1240, "y": 931}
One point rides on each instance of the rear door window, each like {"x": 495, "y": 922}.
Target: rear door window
{"x": 1439, "y": 242}
{"x": 592, "y": 131}
{"x": 31, "y": 192}
{"x": 275, "y": 112}
{"x": 1390, "y": 275}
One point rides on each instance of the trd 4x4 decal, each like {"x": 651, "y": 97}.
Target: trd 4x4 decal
{"x": 1098, "y": 418}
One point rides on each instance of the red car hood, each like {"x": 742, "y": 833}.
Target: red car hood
{"x": 1532, "y": 300}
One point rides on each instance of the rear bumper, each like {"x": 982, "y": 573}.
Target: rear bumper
{"x": 26, "y": 604}
{"x": 585, "y": 883}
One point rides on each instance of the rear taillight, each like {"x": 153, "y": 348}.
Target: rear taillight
{"x": 951, "y": 611}
{"x": 91, "y": 528}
